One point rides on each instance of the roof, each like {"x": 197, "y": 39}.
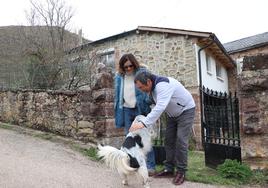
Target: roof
{"x": 204, "y": 38}
{"x": 175, "y": 31}
{"x": 247, "y": 43}
{"x": 146, "y": 29}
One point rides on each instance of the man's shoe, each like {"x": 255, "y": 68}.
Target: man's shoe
{"x": 164, "y": 174}
{"x": 179, "y": 178}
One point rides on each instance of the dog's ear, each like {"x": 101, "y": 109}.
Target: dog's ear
{"x": 99, "y": 145}
{"x": 133, "y": 162}
{"x": 137, "y": 139}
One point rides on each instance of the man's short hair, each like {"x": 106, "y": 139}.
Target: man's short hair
{"x": 143, "y": 76}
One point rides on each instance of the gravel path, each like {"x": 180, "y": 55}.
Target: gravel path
{"x": 31, "y": 162}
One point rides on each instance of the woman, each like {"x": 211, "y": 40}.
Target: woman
{"x": 130, "y": 101}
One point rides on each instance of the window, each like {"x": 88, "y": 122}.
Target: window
{"x": 239, "y": 65}
{"x": 208, "y": 64}
{"x": 107, "y": 57}
{"x": 218, "y": 71}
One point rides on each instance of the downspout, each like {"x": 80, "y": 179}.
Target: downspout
{"x": 201, "y": 86}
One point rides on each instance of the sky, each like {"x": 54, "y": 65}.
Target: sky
{"x": 229, "y": 19}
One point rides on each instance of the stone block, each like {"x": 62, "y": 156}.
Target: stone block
{"x": 111, "y": 130}
{"x": 85, "y": 132}
{"x": 100, "y": 128}
{"x": 85, "y": 124}
{"x": 103, "y": 80}
{"x": 85, "y": 96}
{"x": 251, "y": 129}
{"x": 89, "y": 109}
{"x": 103, "y": 95}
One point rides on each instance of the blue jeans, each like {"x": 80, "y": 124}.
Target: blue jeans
{"x": 150, "y": 162}
{"x": 129, "y": 116}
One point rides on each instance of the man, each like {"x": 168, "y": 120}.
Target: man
{"x": 170, "y": 96}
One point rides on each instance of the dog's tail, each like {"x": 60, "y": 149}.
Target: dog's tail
{"x": 115, "y": 159}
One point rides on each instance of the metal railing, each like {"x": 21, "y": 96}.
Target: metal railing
{"x": 221, "y": 117}
{"x": 220, "y": 127}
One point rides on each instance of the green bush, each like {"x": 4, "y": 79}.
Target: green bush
{"x": 260, "y": 177}
{"x": 234, "y": 169}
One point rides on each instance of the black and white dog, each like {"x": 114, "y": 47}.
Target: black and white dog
{"x": 131, "y": 158}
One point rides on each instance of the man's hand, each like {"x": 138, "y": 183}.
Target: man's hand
{"x": 136, "y": 126}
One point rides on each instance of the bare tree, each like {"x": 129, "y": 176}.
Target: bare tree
{"x": 34, "y": 56}
{"x": 55, "y": 15}
{"x": 82, "y": 70}
{"x": 47, "y": 40}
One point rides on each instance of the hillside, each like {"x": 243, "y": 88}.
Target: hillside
{"x": 18, "y": 44}
{"x": 15, "y": 40}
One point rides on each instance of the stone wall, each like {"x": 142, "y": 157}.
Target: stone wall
{"x": 232, "y": 80}
{"x": 85, "y": 115}
{"x": 254, "y": 110}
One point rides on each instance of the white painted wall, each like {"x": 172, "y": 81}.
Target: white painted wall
{"x": 210, "y": 80}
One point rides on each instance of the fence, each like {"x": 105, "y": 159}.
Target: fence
{"x": 221, "y": 137}
{"x": 32, "y": 74}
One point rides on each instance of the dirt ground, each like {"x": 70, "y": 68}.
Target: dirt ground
{"x": 27, "y": 161}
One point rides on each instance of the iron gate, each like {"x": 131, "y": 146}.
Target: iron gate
{"x": 220, "y": 127}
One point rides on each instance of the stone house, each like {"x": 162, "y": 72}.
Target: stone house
{"x": 251, "y": 56}
{"x": 249, "y": 46}
{"x": 252, "y": 45}
{"x": 171, "y": 52}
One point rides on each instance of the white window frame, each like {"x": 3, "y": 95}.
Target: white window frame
{"x": 208, "y": 64}
{"x": 219, "y": 72}
{"x": 239, "y": 65}
{"x": 107, "y": 57}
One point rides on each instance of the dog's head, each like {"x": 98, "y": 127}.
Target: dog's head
{"x": 140, "y": 118}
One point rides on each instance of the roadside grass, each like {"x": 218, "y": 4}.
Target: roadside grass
{"x": 46, "y": 136}
{"x": 34, "y": 133}
{"x": 197, "y": 171}
{"x": 5, "y": 126}
{"x": 89, "y": 152}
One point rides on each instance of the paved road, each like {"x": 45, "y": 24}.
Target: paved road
{"x": 31, "y": 162}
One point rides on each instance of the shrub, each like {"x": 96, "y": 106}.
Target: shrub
{"x": 234, "y": 169}
{"x": 260, "y": 177}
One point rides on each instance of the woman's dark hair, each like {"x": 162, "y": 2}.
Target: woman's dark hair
{"x": 125, "y": 58}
